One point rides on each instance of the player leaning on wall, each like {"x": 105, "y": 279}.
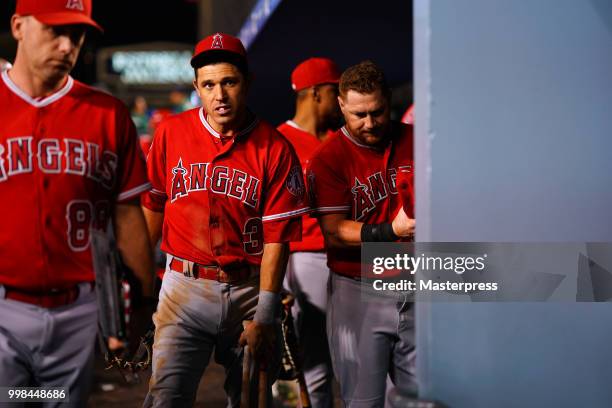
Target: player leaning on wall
{"x": 352, "y": 179}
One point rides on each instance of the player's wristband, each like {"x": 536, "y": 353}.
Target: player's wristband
{"x": 266, "y": 307}
{"x": 378, "y": 233}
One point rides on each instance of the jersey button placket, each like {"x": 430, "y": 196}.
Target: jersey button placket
{"x": 216, "y": 238}
{"x": 44, "y": 219}
{"x": 386, "y": 163}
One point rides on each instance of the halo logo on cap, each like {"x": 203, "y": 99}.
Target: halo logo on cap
{"x": 217, "y": 41}
{"x": 75, "y": 5}
{"x": 219, "y": 44}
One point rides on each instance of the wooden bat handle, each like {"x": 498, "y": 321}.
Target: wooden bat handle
{"x": 246, "y": 378}
{"x": 263, "y": 389}
{"x": 304, "y": 396}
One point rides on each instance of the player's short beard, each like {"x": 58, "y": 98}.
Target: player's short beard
{"x": 381, "y": 134}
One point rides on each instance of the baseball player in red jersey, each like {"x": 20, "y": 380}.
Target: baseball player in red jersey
{"x": 352, "y": 184}
{"x": 69, "y": 162}
{"x": 315, "y": 82}
{"x": 227, "y": 198}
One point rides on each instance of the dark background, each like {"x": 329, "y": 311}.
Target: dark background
{"x": 124, "y": 22}
{"x": 346, "y": 31}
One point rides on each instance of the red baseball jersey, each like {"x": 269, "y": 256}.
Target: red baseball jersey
{"x": 64, "y": 161}
{"x": 347, "y": 177}
{"x": 304, "y": 144}
{"x": 223, "y": 198}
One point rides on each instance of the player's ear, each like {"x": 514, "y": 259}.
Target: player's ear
{"x": 17, "y": 23}
{"x": 195, "y": 85}
{"x": 341, "y": 103}
{"x": 195, "y": 80}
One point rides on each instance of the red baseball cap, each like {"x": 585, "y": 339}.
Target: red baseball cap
{"x": 314, "y": 71}
{"x": 218, "y": 44}
{"x": 58, "y": 12}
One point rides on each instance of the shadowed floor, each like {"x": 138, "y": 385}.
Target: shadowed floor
{"x": 210, "y": 392}
{"x": 110, "y": 390}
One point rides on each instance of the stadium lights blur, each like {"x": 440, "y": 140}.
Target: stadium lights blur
{"x": 152, "y": 67}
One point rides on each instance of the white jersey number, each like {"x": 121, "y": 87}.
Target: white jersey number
{"x": 81, "y": 216}
{"x": 252, "y": 236}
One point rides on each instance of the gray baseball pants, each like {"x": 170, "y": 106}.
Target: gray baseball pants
{"x": 194, "y": 319}
{"x": 369, "y": 337}
{"x": 306, "y": 278}
{"x": 42, "y": 347}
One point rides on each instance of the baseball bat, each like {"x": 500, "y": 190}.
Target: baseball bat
{"x": 246, "y": 378}
{"x": 304, "y": 396}
{"x": 288, "y": 301}
{"x": 262, "y": 388}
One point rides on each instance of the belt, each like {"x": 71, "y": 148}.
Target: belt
{"x": 195, "y": 270}
{"x": 48, "y": 300}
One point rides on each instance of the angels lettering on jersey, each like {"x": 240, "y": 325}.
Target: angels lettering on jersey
{"x": 218, "y": 179}
{"x": 20, "y": 155}
{"x": 368, "y": 191}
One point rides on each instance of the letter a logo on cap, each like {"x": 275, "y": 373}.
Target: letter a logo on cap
{"x": 217, "y": 43}
{"x": 75, "y": 5}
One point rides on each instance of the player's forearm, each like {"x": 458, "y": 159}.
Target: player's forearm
{"x": 273, "y": 264}
{"x": 154, "y": 221}
{"x": 133, "y": 243}
{"x": 340, "y": 232}
{"x": 349, "y": 233}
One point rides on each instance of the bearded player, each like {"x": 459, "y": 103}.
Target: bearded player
{"x": 315, "y": 82}
{"x": 227, "y": 198}
{"x": 69, "y": 161}
{"x": 352, "y": 180}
